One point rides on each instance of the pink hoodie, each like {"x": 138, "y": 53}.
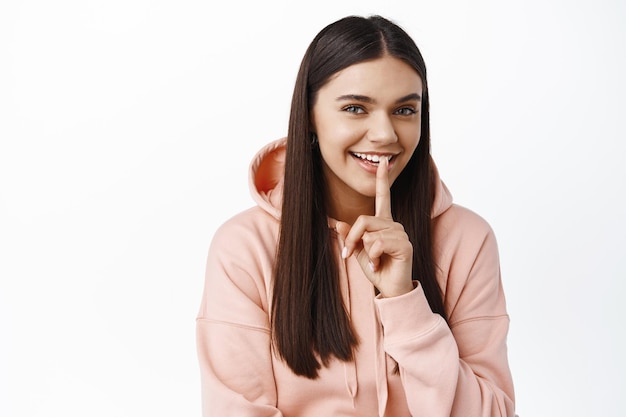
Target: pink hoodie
{"x": 460, "y": 370}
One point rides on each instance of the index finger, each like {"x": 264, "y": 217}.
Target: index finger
{"x": 383, "y": 194}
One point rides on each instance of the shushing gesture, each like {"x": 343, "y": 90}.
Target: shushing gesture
{"x": 380, "y": 245}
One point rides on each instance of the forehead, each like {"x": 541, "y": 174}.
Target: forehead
{"x": 382, "y": 77}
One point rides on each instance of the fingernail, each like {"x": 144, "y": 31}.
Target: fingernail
{"x": 344, "y": 252}
{"x": 371, "y": 265}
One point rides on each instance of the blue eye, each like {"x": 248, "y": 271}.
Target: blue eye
{"x": 406, "y": 111}
{"x": 354, "y": 109}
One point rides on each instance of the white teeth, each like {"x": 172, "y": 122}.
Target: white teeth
{"x": 372, "y": 158}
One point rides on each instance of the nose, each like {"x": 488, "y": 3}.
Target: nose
{"x": 381, "y": 129}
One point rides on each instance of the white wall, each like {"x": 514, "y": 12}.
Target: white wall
{"x": 126, "y": 130}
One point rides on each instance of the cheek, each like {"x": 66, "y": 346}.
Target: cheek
{"x": 410, "y": 138}
{"x": 336, "y": 129}
{"x": 410, "y": 141}
{"x": 333, "y": 155}
{"x": 338, "y": 136}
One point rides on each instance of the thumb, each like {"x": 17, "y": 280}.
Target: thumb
{"x": 343, "y": 229}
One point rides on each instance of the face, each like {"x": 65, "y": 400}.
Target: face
{"x": 365, "y": 112}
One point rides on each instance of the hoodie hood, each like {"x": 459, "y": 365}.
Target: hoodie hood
{"x": 266, "y": 181}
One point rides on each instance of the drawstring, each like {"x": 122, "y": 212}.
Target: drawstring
{"x": 380, "y": 364}
{"x": 381, "y": 367}
{"x": 351, "y": 382}
{"x": 348, "y": 367}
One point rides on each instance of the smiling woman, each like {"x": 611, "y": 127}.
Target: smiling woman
{"x": 355, "y": 287}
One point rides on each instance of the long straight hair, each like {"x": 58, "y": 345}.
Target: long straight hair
{"x": 310, "y": 324}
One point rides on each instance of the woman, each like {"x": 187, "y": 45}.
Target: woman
{"x": 355, "y": 287}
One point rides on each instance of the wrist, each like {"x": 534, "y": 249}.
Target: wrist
{"x": 398, "y": 291}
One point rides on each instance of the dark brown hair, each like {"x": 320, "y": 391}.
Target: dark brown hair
{"x": 309, "y": 321}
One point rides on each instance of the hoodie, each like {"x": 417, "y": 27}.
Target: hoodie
{"x": 409, "y": 362}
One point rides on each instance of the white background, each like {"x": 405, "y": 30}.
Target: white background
{"x": 126, "y": 130}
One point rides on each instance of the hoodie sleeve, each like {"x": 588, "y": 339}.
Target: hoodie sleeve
{"x": 462, "y": 369}
{"x": 232, "y": 327}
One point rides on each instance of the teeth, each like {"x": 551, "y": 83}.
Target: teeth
{"x": 372, "y": 158}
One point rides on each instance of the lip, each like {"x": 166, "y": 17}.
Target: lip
{"x": 371, "y": 166}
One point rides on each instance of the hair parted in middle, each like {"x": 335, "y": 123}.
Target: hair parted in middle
{"x": 308, "y": 316}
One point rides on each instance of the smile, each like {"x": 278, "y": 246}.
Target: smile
{"x": 372, "y": 158}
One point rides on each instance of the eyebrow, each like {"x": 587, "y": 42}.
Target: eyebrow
{"x": 366, "y": 99}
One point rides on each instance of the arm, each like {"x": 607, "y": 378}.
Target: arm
{"x": 233, "y": 338}
{"x": 461, "y": 370}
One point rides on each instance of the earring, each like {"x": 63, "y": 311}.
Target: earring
{"x": 313, "y": 138}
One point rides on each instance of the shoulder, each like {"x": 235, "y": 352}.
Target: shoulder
{"x": 252, "y": 231}
{"x": 466, "y": 255}
{"x": 461, "y": 225}
{"x": 251, "y": 222}
{"x": 239, "y": 268}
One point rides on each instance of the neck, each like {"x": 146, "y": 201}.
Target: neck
{"x": 347, "y": 209}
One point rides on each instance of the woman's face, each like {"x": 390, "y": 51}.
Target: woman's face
{"x": 366, "y": 111}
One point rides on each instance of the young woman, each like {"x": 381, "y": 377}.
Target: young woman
{"x": 355, "y": 287}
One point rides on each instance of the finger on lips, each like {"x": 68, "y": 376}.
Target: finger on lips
{"x": 383, "y": 194}
{"x": 364, "y": 224}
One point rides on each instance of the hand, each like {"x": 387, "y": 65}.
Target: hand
{"x": 380, "y": 245}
